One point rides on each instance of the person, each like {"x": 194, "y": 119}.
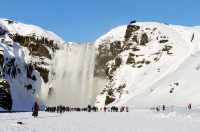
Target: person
{"x": 189, "y": 106}
{"x": 157, "y": 109}
{"x": 163, "y": 107}
{"x": 35, "y": 109}
{"x": 127, "y": 109}
{"x": 89, "y": 108}
{"x": 105, "y": 109}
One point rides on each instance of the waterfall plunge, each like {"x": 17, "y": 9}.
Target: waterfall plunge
{"x": 73, "y": 76}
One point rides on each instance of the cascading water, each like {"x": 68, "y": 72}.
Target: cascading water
{"x": 72, "y": 78}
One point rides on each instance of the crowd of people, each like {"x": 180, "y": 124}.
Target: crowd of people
{"x": 89, "y": 108}
{"x": 163, "y": 107}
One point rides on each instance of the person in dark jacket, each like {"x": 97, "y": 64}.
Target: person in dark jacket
{"x": 35, "y": 109}
{"x": 163, "y": 107}
{"x": 189, "y": 106}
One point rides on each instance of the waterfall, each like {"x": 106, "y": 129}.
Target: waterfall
{"x": 72, "y": 77}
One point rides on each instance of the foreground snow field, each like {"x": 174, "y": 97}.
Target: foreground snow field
{"x": 180, "y": 120}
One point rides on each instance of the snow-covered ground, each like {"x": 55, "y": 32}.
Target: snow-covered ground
{"x": 138, "y": 120}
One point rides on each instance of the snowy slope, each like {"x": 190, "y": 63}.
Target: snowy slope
{"x": 157, "y": 64}
{"x": 113, "y": 35}
{"x": 28, "y": 30}
{"x": 184, "y": 82}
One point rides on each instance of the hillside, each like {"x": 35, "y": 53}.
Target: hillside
{"x": 150, "y": 64}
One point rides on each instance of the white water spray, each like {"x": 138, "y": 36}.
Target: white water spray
{"x": 73, "y": 76}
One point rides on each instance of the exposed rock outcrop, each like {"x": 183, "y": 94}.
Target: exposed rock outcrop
{"x": 5, "y": 95}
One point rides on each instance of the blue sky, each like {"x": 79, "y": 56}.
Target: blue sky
{"x": 86, "y": 20}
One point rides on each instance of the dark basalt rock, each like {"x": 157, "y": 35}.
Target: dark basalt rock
{"x": 37, "y": 47}
{"x": 109, "y": 100}
{"x": 107, "y": 52}
{"x": 1, "y": 58}
{"x": 133, "y": 21}
{"x": 163, "y": 41}
{"x": 5, "y": 95}
{"x": 2, "y": 31}
{"x": 109, "y": 97}
{"x": 39, "y": 50}
{"x": 29, "y": 70}
{"x": 118, "y": 61}
{"x": 110, "y": 70}
{"x": 144, "y": 39}
{"x": 130, "y": 59}
{"x": 29, "y": 87}
{"x": 115, "y": 48}
{"x": 44, "y": 73}
{"x": 9, "y": 67}
{"x": 130, "y": 30}
{"x": 135, "y": 39}
{"x": 10, "y": 21}
{"x": 167, "y": 48}
{"x": 34, "y": 78}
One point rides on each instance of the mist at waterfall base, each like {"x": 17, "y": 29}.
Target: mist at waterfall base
{"x": 73, "y": 80}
